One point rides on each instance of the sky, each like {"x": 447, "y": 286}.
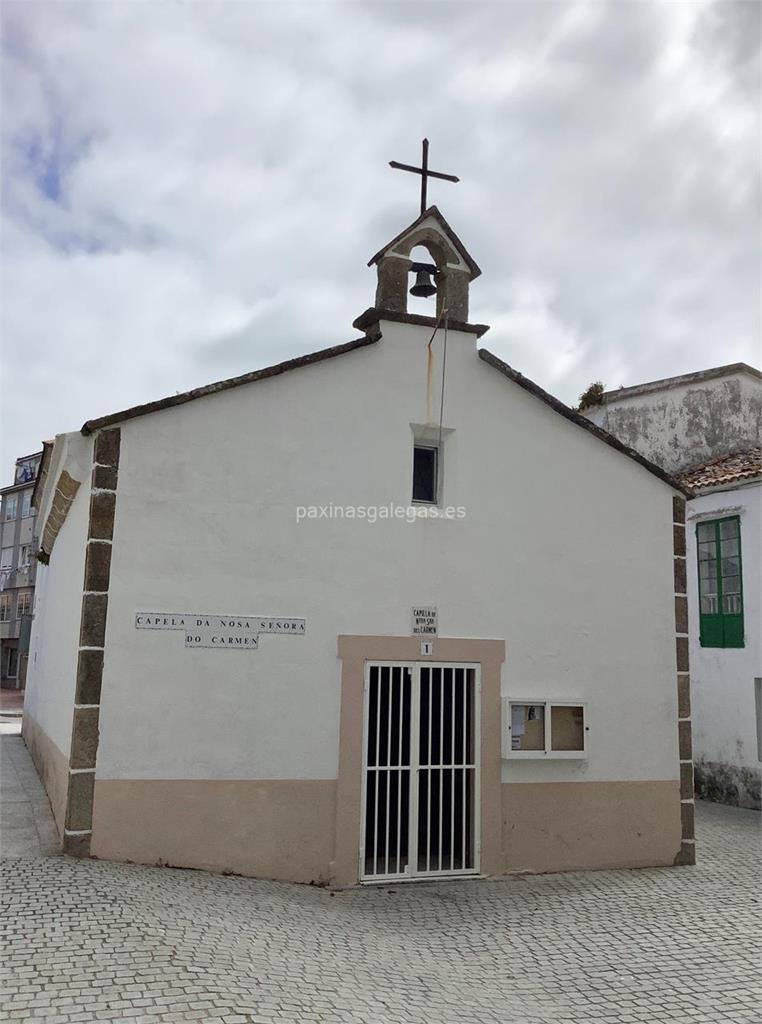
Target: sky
{"x": 192, "y": 190}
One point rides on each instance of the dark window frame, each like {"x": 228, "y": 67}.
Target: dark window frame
{"x": 418, "y": 483}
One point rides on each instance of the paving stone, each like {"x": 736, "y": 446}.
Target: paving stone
{"x": 90, "y": 942}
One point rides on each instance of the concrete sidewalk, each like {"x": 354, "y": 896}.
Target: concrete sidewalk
{"x": 11, "y": 702}
{"x": 27, "y": 828}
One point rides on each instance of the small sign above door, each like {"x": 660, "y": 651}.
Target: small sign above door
{"x": 424, "y": 621}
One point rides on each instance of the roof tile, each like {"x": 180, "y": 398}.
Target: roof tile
{"x": 726, "y": 469}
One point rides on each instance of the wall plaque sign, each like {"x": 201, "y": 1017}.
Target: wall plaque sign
{"x": 220, "y": 632}
{"x": 217, "y": 641}
{"x": 424, "y": 621}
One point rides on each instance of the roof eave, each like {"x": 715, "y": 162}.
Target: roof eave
{"x": 42, "y": 472}
{"x": 225, "y": 385}
{"x": 666, "y": 383}
{"x": 11, "y": 488}
{"x": 374, "y": 315}
{"x": 724, "y": 485}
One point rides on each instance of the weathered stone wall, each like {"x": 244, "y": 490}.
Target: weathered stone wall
{"x": 687, "y": 424}
{"x": 728, "y": 784}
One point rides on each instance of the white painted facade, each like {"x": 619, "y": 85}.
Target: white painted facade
{"x": 725, "y": 712}
{"x": 221, "y": 535}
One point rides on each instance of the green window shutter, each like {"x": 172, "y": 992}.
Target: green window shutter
{"x": 718, "y": 545}
{"x": 732, "y": 630}
{"x": 712, "y": 633}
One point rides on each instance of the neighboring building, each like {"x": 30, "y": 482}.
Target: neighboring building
{"x": 687, "y": 420}
{"x": 17, "y": 571}
{"x": 705, "y": 428}
{"x": 353, "y": 638}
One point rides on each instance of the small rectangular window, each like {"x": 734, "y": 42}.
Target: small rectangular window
{"x": 550, "y": 729}
{"x": 26, "y": 504}
{"x": 6, "y": 558}
{"x": 24, "y": 555}
{"x": 5, "y": 607}
{"x": 718, "y": 544}
{"x": 425, "y": 473}
{"x": 24, "y": 604}
{"x": 11, "y": 505}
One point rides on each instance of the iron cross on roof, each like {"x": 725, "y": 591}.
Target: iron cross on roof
{"x": 424, "y": 172}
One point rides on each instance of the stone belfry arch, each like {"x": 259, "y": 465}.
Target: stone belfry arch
{"x": 455, "y": 269}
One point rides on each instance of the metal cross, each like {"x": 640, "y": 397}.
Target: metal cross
{"x": 424, "y": 172}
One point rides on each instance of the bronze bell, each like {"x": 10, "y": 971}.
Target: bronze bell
{"x": 424, "y": 286}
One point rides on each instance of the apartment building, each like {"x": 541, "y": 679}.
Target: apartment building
{"x": 17, "y": 571}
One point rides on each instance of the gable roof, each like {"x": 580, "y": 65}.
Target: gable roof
{"x": 432, "y": 211}
{"x": 329, "y": 353}
{"x": 226, "y": 385}
{"x": 675, "y": 382}
{"x": 581, "y": 421}
{"x": 740, "y": 467}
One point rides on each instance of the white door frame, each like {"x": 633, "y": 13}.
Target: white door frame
{"x": 412, "y": 873}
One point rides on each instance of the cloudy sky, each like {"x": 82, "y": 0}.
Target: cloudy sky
{"x": 192, "y": 190}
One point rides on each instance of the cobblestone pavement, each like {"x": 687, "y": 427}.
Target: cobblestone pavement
{"x": 93, "y": 941}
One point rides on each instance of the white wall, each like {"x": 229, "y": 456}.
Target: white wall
{"x": 52, "y": 668}
{"x": 722, "y": 679}
{"x": 685, "y": 425}
{"x": 566, "y": 552}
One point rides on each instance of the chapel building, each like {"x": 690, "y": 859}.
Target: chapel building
{"x": 392, "y": 613}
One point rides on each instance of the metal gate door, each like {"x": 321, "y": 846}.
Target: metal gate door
{"x": 421, "y": 771}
